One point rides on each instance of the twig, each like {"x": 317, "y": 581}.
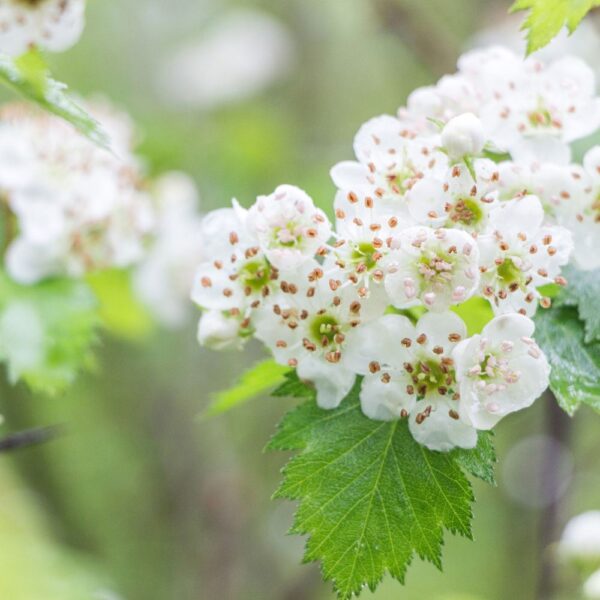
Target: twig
{"x": 30, "y": 437}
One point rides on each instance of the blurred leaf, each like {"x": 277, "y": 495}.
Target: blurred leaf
{"x": 583, "y": 291}
{"x": 46, "y": 331}
{"x": 476, "y": 313}
{"x": 575, "y": 375}
{"x": 257, "y": 380}
{"x": 370, "y": 496}
{"x": 121, "y": 312}
{"x": 547, "y": 17}
{"x": 29, "y": 77}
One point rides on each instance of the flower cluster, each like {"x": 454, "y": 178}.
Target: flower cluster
{"x": 78, "y": 208}
{"x": 73, "y": 208}
{"x": 468, "y": 192}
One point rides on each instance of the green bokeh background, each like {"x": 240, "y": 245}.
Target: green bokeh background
{"x": 139, "y": 499}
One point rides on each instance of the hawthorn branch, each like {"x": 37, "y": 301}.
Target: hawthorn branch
{"x": 30, "y": 437}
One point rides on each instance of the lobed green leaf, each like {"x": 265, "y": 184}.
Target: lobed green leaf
{"x": 546, "y": 18}
{"x": 370, "y": 497}
{"x": 575, "y": 374}
{"x": 583, "y": 291}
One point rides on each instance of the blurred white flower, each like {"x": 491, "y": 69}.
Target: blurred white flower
{"x": 580, "y": 541}
{"x": 591, "y": 588}
{"x": 78, "y": 207}
{"x": 53, "y": 25}
{"x": 241, "y": 54}
{"x": 164, "y": 279}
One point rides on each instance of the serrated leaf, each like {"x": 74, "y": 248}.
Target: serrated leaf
{"x": 370, "y": 496}
{"x": 257, "y": 380}
{"x": 46, "y": 332}
{"x": 583, "y": 291}
{"x": 29, "y": 77}
{"x": 575, "y": 374}
{"x": 546, "y": 18}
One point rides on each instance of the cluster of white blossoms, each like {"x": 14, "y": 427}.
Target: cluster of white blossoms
{"x": 53, "y": 25}
{"x": 77, "y": 207}
{"x": 467, "y": 192}
{"x": 73, "y": 208}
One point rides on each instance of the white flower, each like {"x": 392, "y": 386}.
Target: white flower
{"x": 409, "y": 372}
{"x": 364, "y": 235}
{"x": 456, "y": 200}
{"x": 577, "y": 207}
{"x": 221, "y": 331}
{"x": 463, "y": 136}
{"x": 237, "y": 277}
{"x": 78, "y": 207}
{"x": 434, "y": 267}
{"x": 591, "y": 587}
{"x": 580, "y": 541}
{"x": 306, "y": 325}
{"x": 164, "y": 279}
{"x": 53, "y": 25}
{"x": 288, "y": 226}
{"x": 500, "y": 371}
{"x": 518, "y": 254}
{"x": 390, "y": 160}
{"x": 543, "y": 109}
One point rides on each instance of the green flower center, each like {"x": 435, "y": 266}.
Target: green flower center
{"x": 431, "y": 376}
{"x": 256, "y": 275}
{"x": 466, "y": 212}
{"x": 364, "y": 253}
{"x": 509, "y": 272}
{"x": 324, "y": 327}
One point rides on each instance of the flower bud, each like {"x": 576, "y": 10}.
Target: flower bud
{"x": 463, "y": 136}
{"x": 219, "y": 331}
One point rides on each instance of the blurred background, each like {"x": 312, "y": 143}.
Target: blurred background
{"x": 142, "y": 500}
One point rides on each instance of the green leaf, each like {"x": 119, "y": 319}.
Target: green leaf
{"x": 257, "y": 380}
{"x": 575, "y": 375}
{"x": 46, "y": 332}
{"x": 583, "y": 291}
{"x": 547, "y": 17}
{"x": 370, "y": 496}
{"x": 29, "y": 77}
{"x": 122, "y": 314}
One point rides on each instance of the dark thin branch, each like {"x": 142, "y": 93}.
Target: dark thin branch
{"x": 30, "y": 437}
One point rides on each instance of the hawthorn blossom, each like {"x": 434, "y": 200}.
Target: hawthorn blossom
{"x": 409, "y": 373}
{"x": 236, "y": 277}
{"x": 455, "y": 199}
{"x": 164, "y": 278}
{"x": 289, "y": 228}
{"x": 78, "y": 208}
{"x": 53, "y": 25}
{"x": 306, "y": 326}
{"x": 500, "y": 371}
{"x": 518, "y": 254}
{"x": 591, "y": 587}
{"x": 391, "y": 159}
{"x": 433, "y": 267}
